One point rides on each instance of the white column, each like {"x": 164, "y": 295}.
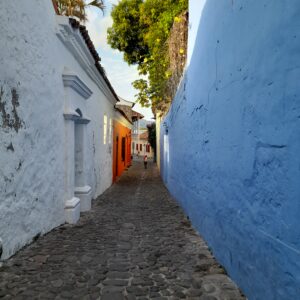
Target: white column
{"x": 82, "y": 189}
{"x": 75, "y": 88}
{"x": 72, "y": 204}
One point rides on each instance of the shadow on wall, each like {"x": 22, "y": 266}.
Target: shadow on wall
{"x": 230, "y": 145}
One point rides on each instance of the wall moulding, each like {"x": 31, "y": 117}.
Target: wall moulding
{"x": 76, "y": 146}
{"x": 75, "y": 83}
{"x": 74, "y": 116}
{"x": 74, "y": 42}
{"x": 84, "y": 193}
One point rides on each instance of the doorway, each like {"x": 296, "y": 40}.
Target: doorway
{"x": 117, "y": 154}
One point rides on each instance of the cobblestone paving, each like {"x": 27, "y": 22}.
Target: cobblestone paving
{"x": 135, "y": 243}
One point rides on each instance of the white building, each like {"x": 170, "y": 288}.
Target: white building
{"x": 56, "y": 116}
{"x": 141, "y": 146}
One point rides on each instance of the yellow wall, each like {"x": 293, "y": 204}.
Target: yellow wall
{"x": 158, "y": 122}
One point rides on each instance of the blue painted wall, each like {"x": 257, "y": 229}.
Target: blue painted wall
{"x": 230, "y": 144}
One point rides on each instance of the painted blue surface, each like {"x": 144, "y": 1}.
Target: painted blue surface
{"x": 230, "y": 144}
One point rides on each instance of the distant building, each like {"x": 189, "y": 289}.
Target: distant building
{"x": 141, "y": 146}
{"x": 136, "y": 118}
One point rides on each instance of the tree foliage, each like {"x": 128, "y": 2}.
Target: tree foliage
{"x": 140, "y": 30}
{"x": 152, "y": 137}
{"x": 77, "y": 8}
{"x": 126, "y": 34}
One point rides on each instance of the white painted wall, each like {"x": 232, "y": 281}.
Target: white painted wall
{"x": 121, "y": 119}
{"x": 97, "y": 105}
{"x": 139, "y": 141}
{"x": 32, "y": 150}
{"x": 31, "y": 177}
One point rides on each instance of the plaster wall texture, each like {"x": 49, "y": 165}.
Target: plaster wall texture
{"x": 34, "y": 137}
{"x": 100, "y": 103}
{"x": 230, "y": 147}
{"x": 31, "y": 177}
{"x": 118, "y": 117}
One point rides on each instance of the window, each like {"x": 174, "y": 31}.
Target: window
{"x": 104, "y": 129}
{"x": 148, "y": 148}
{"x": 141, "y": 147}
{"x": 137, "y": 147}
{"x": 133, "y": 146}
{"x": 123, "y": 149}
{"x": 110, "y": 131}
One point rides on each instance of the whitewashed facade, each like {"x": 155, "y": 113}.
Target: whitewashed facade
{"x": 53, "y": 103}
{"x": 140, "y": 145}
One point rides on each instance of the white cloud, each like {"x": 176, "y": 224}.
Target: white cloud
{"x": 97, "y": 26}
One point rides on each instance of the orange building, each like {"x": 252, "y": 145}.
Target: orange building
{"x": 122, "y": 135}
{"x": 121, "y": 143}
{"x": 121, "y": 151}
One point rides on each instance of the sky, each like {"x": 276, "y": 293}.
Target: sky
{"x": 119, "y": 73}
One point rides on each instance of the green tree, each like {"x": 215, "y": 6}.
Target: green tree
{"x": 140, "y": 30}
{"x": 77, "y": 8}
{"x": 144, "y": 94}
{"x": 152, "y": 137}
{"x": 127, "y": 33}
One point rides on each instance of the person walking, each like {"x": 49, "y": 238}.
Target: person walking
{"x": 145, "y": 161}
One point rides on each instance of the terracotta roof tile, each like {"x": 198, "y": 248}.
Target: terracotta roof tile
{"x": 144, "y": 135}
{"x": 85, "y": 35}
{"x": 136, "y": 115}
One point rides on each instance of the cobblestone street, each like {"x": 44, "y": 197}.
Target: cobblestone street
{"x": 135, "y": 243}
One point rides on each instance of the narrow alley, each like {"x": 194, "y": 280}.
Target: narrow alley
{"x": 135, "y": 243}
